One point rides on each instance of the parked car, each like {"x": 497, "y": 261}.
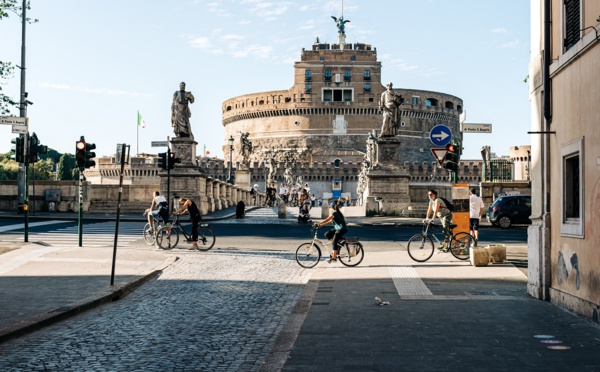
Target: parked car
{"x": 510, "y": 209}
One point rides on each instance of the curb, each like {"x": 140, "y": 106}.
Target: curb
{"x": 54, "y": 316}
{"x": 286, "y": 338}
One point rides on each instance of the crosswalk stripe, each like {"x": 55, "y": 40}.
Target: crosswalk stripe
{"x": 95, "y": 235}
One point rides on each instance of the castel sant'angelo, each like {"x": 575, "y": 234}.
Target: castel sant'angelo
{"x": 326, "y": 117}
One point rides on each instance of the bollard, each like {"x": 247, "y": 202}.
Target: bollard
{"x": 281, "y": 211}
{"x": 325, "y": 211}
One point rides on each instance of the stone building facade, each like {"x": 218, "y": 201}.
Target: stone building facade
{"x": 332, "y": 106}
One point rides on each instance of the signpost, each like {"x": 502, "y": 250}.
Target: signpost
{"x": 440, "y": 135}
{"x": 475, "y": 128}
{"x": 439, "y": 154}
{"x": 160, "y": 143}
{"x": 15, "y": 121}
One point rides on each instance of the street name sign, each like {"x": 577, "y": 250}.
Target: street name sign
{"x": 13, "y": 120}
{"x": 439, "y": 154}
{"x": 160, "y": 143}
{"x": 21, "y": 129}
{"x": 475, "y": 128}
{"x": 440, "y": 135}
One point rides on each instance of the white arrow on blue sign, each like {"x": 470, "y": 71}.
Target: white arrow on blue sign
{"x": 440, "y": 135}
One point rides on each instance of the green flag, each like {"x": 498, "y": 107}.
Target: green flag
{"x": 141, "y": 121}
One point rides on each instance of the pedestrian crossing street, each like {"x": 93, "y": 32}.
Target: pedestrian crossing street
{"x": 100, "y": 234}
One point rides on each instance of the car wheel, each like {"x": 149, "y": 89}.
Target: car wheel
{"x": 504, "y": 222}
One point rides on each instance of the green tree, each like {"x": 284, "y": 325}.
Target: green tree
{"x": 7, "y": 68}
{"x": 42, "y": 169}
{"x": 9, "y": 169}
{"x": 65, "y": 168}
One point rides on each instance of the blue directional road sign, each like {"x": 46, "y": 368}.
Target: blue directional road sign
{"x": 440, "y": 135}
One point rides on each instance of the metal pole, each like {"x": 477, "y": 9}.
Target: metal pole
{"x": 114, "y": 259}
{"x": 22, "y": 185}
{"x": 80, "y": 215}
{"x": 25, "y": 206}
{"x": 168, "y": 177}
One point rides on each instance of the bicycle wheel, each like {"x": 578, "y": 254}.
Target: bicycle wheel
{"x": 149, "y": 236}
{"x": 346, "y": 259}
{"x": 206, "y": 238}
{"x": 420, "y": 248}
{"x": 461, "y": 245}
{"x": 308, "y": 254}
{"x": 167, "y": 237}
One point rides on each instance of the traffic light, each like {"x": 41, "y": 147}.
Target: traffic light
{"x": 35, "y": 149}
{"x": 162, "y": 160}
{"x": 173, "y": 160}
{"x": 452, "y": 156}
{"x": 80, "y": 153}
{"x": 89, "y": 155}
{"x": 17, "y": 149}
{"x": 83, "y": 154}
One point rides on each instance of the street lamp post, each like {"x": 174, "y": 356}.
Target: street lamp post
{"x": 230, "y": 178}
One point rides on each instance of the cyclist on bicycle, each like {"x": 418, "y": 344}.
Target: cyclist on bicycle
{"x": 159, "y": 207}
{"x": 437, "y": 208}
{"x": 195, "y": 217}
{"x": 339, "y": 229}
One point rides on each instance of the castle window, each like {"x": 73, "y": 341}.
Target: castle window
{"x": 431, "y": 102}
{"x": 337, "y": 163}
{"x": 415, "y": 100}
{"x": 307, "y": 75}
{"x": 367, "y": 75}
{"x": 347, "y": 75}
{"x": 367, "y": 87}
{"x": 352, "y": 58}
{"x": 322, "y": 59}
{"x": 328, "y": 75}
{"x": 307, "y": 87}
{"x": 338, "y": 95}
{"x": 449, "y": 105}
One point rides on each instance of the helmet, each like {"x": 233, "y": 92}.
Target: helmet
{"x": 332, "y": 204}
{"x": 255, "y": 186}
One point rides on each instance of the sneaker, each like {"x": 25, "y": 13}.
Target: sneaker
{"x": 331, "y": 259}
{"x": 442, "y": 248}
{"x": 193, "y": 248}
{"x": 475, "y": 245}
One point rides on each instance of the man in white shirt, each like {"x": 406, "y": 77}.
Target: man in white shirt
{"x": 437, "y": 208}
{"x": 159, "y": 206}
{"x": 475, "y": 213}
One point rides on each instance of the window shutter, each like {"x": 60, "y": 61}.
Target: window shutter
{"x": 572, "y": 22}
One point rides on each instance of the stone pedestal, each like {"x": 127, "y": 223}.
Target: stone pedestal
{"x": 186, "y": 179}
{"x": 387, "y": 183}
{"x": 242, "y": 179}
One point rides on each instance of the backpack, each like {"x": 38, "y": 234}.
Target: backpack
{"x": 449, "y": 205}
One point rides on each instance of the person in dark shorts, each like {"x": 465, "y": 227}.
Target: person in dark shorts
{"x": 339, "y": 229}
{"x": 159, "y": 207}
{"x": 195, "y": 217}
{"x": 476, "y": 207}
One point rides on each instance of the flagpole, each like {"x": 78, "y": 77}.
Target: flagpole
{"x": 137, "y": 144}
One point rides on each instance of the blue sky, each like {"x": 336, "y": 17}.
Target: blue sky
{"x": 91, "y": 65}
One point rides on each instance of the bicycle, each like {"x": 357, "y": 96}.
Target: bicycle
{"x": 149, "y": 232}
{"x": 308, "y": 254}
{"x": 420, "y": 246}
{"x": 167, "y": 237}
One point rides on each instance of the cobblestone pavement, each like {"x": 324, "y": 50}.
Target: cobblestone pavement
{"x": 217, "y": 310}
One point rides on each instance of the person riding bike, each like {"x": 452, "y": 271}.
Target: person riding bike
{"x": 195, "y": 217}
{"x": 159, "y": 207}
{"x": 339, "y": 229}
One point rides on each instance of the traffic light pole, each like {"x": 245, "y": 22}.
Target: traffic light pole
{"x": 168, "y": 178}
{"x": 80, "y": 215}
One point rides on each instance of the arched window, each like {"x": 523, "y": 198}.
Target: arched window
{"x": 449, "y": 105}
{"x": 337, "y": 163}
{"x": 431, "y": 102}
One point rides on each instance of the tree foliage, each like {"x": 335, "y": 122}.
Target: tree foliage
{"x": 64, "y": 172}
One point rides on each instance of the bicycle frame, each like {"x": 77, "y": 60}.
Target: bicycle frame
{"x": 426, "y": 231}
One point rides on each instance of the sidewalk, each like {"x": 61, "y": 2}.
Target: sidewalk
{"x": 443, "y": 315}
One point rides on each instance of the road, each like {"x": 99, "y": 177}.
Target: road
{"x": 216, "y": 310}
